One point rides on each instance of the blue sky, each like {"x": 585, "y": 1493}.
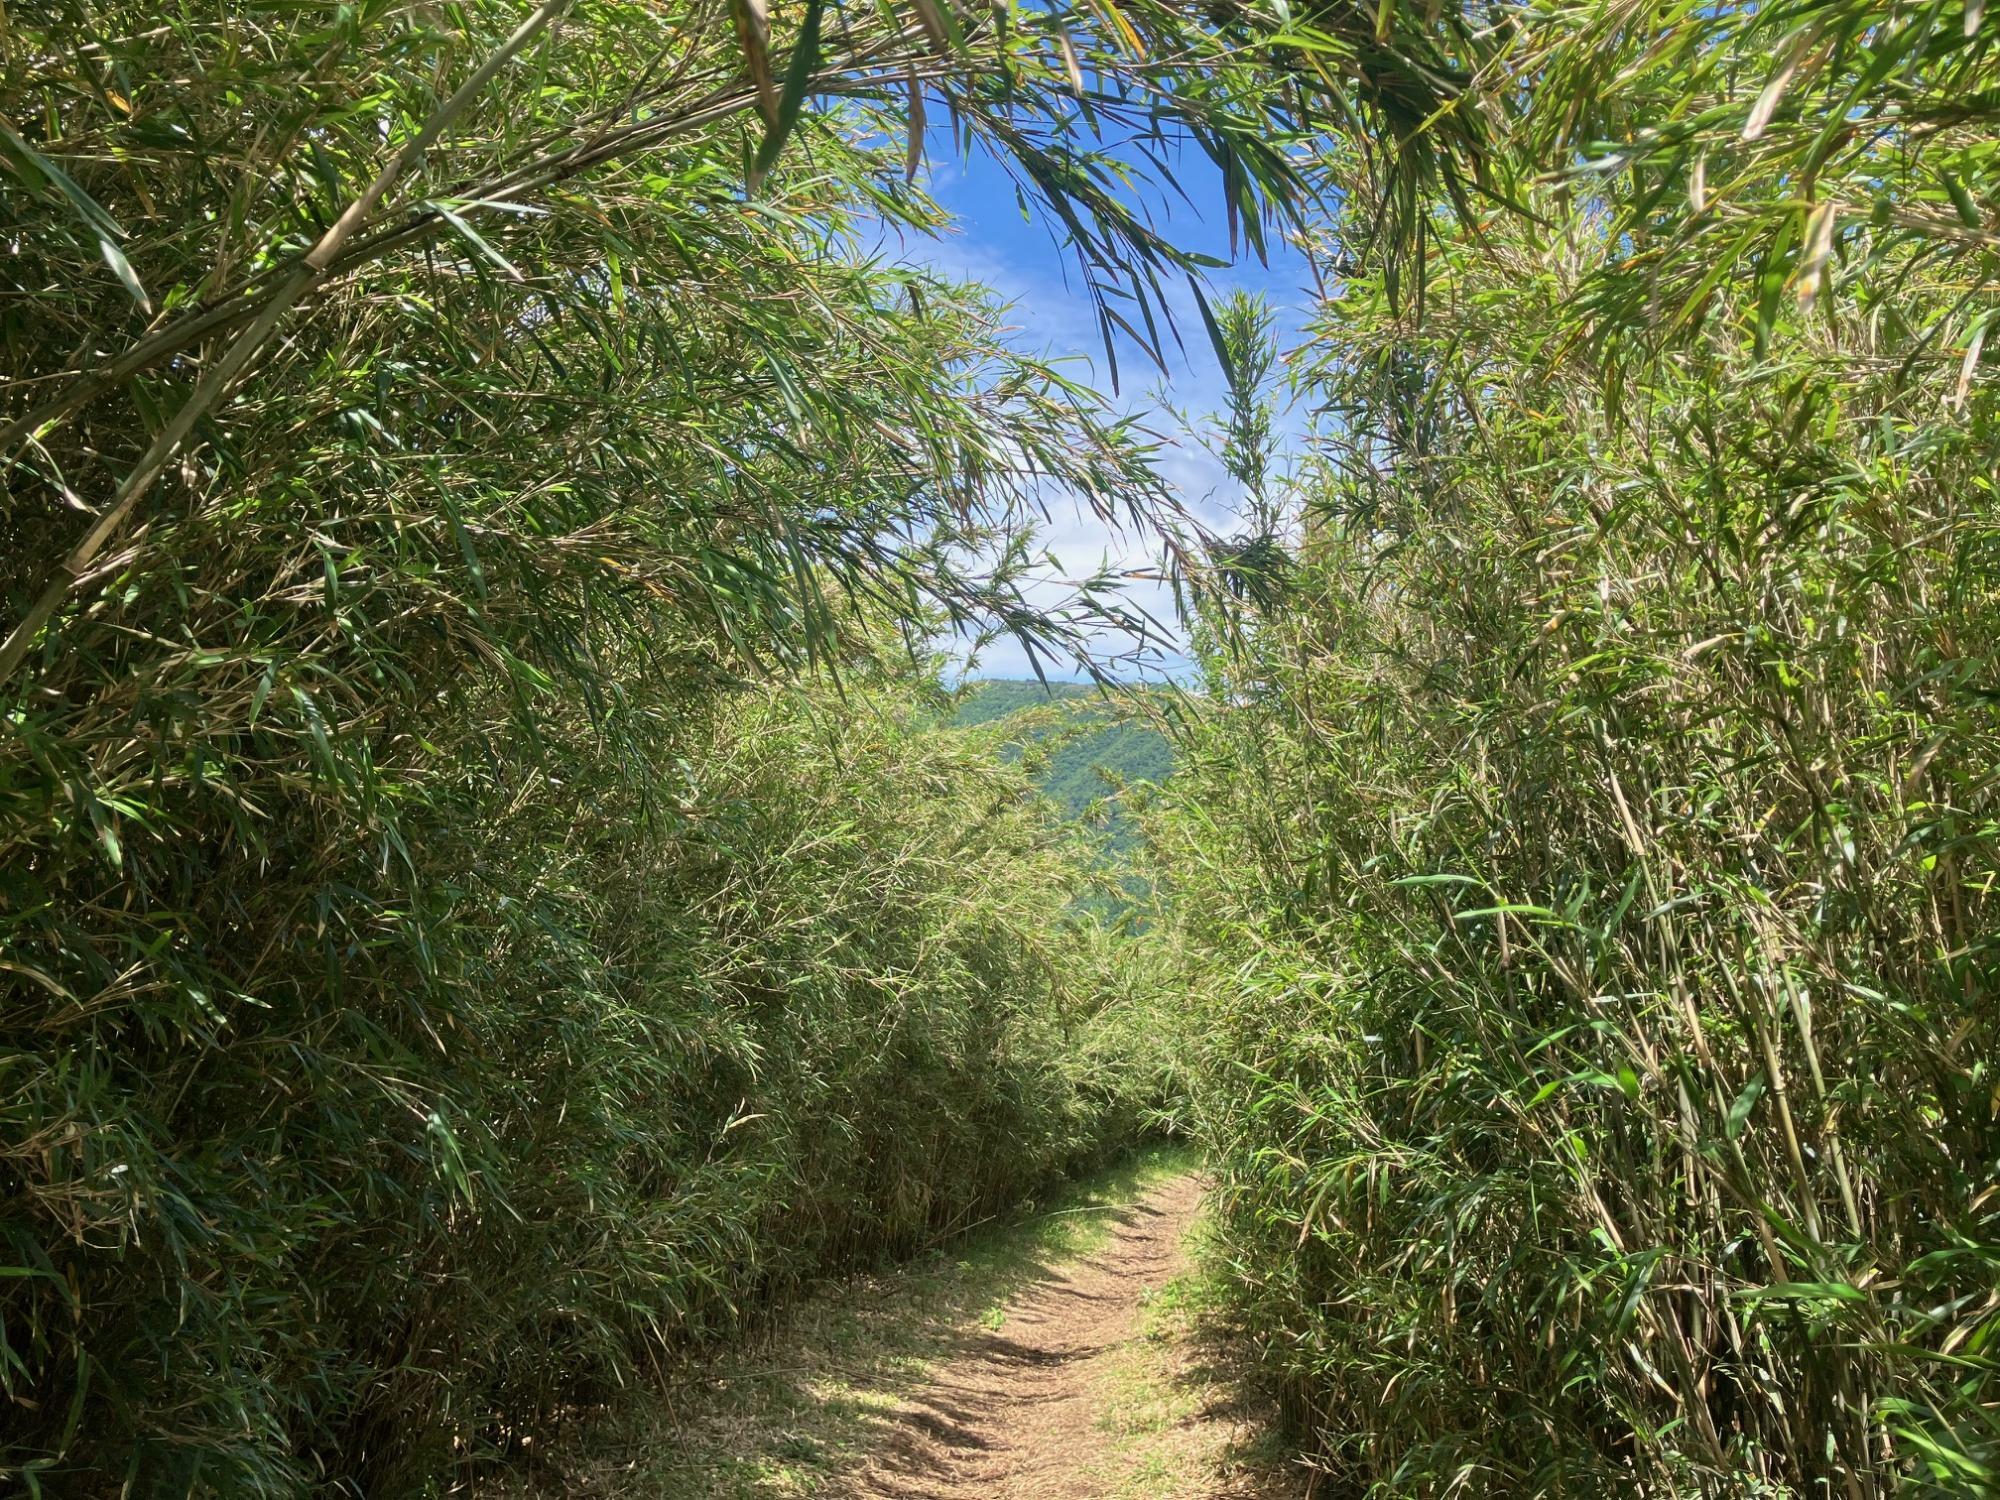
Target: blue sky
{"x": 1051, "y": 315}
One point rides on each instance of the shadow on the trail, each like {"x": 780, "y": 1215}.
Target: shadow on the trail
{"x": 885, "y": 1386}
{"x": 912, "y": 1430}
{"x": 887, "y": 1374}
{"x": 1220, "y": 1385}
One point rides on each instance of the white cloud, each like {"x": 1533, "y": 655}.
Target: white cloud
{"x": 1053, "y": 319}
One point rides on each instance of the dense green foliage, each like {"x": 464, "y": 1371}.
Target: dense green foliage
{"x": 822, "y": 1003}
{"x": 487, "y": 895}
{"x": 1593, "y": 836}
{"x": 440, "y": 982}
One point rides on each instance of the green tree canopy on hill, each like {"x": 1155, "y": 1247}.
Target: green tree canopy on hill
{"x": 1081, "y": 747}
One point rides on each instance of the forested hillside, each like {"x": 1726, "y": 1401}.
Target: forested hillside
{"x": 984, "y": 701}
{"x": 498, "y": 900}
{"x": 1087, "y": 749}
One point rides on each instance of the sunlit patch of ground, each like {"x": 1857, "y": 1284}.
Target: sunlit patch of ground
{"x": 1058, "y": 1355}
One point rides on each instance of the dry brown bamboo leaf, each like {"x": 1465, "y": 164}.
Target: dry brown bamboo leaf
{"x": 753, "y": 32}
{"x": 1774, "y": 91}
{"x": 913, "y": 157}
{"x": 932, "y": 20}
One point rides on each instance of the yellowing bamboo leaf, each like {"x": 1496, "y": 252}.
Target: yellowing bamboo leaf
{"x": 1820, "y": 226}
{"x": 1774, "y": 91}
{"x": 1108, "y": 12}
{"x": 1970, "y": 366}
{"x": 1070, "y": 65}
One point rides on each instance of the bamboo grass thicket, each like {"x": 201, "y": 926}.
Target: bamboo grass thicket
{"x": 485, "y": 901}
{"x": 1592, "y": 832}
{"x": 442, "y": 983}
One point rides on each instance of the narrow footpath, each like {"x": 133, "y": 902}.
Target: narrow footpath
{"x": 1073, "y": 1396}
{"x": 1061, "y": 1355}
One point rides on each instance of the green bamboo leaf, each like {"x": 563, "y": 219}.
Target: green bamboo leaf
{"x": 1803, "y": 1291}
{"x": 1773, "y": 272}
{"x": 1739, "y": 1112}
{"x": 1962, "y": 201}
{"x": 260, "y": 694}
{"x": 33, "y": 167}
{"x": 1637, "y": 1280}
{"x": 1511, "y": 908}
{"x": 473, "y": 238}
{"x": 798, "y": 77}
{"x": 1223, "y": 358}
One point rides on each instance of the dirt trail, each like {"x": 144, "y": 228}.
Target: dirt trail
{"x": 1065, "y": 1399}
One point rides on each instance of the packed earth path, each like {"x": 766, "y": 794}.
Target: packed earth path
{"x": 1033, "y": 1409}
{"x": 1071, "y": 1351}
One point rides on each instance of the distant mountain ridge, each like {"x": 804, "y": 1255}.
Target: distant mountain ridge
{"x": 1089, "y": 764}
{"x": 996, "y": 698}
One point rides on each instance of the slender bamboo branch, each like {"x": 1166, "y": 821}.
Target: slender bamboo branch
{"x": 214, "y": 385}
